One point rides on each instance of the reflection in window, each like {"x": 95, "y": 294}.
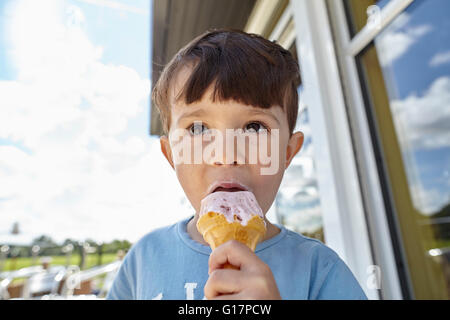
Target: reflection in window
{"x": 408, "y": 77}
{"x": 297, "y": 202}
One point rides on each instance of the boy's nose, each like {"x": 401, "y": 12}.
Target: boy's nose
{"x": 221, "y": 163}
{"x": 226, "y": 150}
{"x": 232, "y": 158}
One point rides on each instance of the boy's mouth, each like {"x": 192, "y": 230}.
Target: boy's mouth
{"x": 227, "y": 187}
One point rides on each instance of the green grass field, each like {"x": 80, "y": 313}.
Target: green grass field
{"x": 91, "y": 261}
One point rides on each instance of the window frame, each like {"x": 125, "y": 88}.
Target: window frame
{"x": 342, "y": 204}
{"x": 367, "y": 34}
{"x": 386, "y": 241}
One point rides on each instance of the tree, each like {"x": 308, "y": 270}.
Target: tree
{"x": 44, "y": 241}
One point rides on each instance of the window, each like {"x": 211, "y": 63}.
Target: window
{"x": 405, "y": 74}
{"x": 297, "y": 202}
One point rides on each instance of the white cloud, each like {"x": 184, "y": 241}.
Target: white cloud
{"x": 397, "y": 38}
{"x": 428, "y": 201}
{"x": 69, "y": 109}
{"x": 440, "y": 58}
{"x": 423, "y": 122}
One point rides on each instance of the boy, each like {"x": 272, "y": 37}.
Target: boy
{"x": 230, "y": 80}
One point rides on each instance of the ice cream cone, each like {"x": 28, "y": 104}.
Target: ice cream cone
{"x": 246, "y": 226}
{"x": 216, "y": 230}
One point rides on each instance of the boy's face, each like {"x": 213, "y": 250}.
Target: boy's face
{"x": 198, "y": 178}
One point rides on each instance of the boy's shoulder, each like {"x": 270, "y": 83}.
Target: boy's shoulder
{"x": 154, "y": 240}
{"x": 158, "y": 236}
{"x": 306, "y": 246}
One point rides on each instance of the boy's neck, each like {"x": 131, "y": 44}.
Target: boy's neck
{"x": 272, "y": 231}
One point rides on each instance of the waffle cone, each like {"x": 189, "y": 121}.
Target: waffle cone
{"x": 216, "y": 230}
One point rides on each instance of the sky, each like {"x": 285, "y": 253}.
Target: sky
{"x": 76, "y": 159}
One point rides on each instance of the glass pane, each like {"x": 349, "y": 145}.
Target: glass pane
{"x": 407, "y": 73}
{"x": 297, "y": 202}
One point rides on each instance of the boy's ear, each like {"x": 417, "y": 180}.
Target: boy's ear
{"x": 166, "y": 150}
{"x": 294, "y": 145}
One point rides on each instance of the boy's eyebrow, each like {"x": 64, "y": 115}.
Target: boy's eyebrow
{"x": 196, "y": 113}
{"x": 259, "y": 111}
{"x": 202, "y": 112}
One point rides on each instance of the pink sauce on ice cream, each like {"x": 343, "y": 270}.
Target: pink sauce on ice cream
{"x": 243, "y": 204}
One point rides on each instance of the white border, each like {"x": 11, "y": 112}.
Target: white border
{"x": 344, "y": 221}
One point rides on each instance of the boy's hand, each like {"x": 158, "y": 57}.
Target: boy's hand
{"x": 254, "y": 280}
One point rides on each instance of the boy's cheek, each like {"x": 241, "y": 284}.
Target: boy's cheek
{"x": 265, "y": 190}
{"x": 187, "y": 174}
{"x": 189, "y": 177}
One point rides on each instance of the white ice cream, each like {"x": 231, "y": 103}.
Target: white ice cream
{"x": 243, "y": 204}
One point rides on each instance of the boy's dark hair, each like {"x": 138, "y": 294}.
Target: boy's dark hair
{"x": 244, "y": 67}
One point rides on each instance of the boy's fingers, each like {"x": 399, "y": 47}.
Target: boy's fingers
{"x": 233, "y": 252}
{"x": 230, "y": 297}
{"x": 222, "y": 281}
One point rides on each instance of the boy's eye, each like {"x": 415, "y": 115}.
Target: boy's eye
{"x": 197, "y": 128}
{"x": 255, "y": 127}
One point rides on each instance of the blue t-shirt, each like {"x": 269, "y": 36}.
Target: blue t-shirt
{"x": 168, "y": 264}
